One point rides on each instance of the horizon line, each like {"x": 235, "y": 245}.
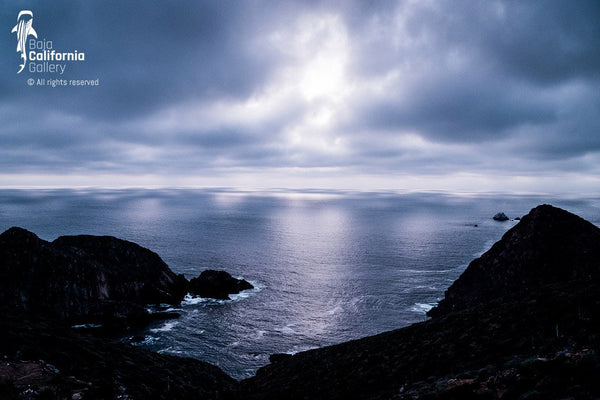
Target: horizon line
{"x": 302, "y": 190}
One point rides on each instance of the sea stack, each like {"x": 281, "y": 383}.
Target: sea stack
{"x": 217, "y": 285}
{"x": 500, "y": 217}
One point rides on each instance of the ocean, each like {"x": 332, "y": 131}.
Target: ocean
{"x": 327, "y": 266}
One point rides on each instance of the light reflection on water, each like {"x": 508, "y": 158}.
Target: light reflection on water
{"x": 328, "y": 267}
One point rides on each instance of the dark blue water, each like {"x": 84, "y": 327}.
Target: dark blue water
{"x": 327, "y": 266}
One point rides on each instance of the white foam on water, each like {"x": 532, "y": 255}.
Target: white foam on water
{"x": 299, "y": 349}
{"x": 488, "y": 245}
{"x": 165, "y": 328}
{"x": 422, "y": 308}
{"x": 286, "y": 330}
{"x": 170, "y": 350}
{"x": 191, "y": 300}
{"x": 420, "y": 287}
{"x": 161, "y": 308}
{"x": 320, "y": 327}
{"x": 247, "y": 293}
{"x": 86, "y": 326}
{"x": 335, "y": 310}
{"x": 240, "y": 296}
{"x": 259, "y": 334}
{"x": 147, "y": 340}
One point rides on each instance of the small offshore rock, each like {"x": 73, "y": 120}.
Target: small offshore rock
{"x": 217, "y": 285}
{"x": 500, "y": 217}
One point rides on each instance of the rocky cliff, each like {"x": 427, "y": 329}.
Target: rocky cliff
{"x": 549, "y": 245}
{"x": 130, "y": 271}
{"x": 78, "y": 277}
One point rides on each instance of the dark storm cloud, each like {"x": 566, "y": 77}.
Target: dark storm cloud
{"x": 477, "y": 70}
{"x": 148, "y": 54}
{"x": 460, "y": 110}
{"x": 549, "y": 43}
{"x": 544, "y": 43}
{"x": 414, "y": 86}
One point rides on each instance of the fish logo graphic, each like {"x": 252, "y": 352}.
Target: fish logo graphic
{"x": 23, "y": 29}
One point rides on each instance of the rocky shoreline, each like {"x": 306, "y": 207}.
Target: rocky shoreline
{"x": 520, "y": 323}
{"x": 95, "y": 280}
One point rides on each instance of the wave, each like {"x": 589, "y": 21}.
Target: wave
{"x": 86, "y": 326}
{"x": 259, "y": 334}
{"x": 191, "y": 300}
{"x": 166, "y": 327}
{"x": 286, "y": 330}
{"x": 335, "y": 310}
{"x": 422, "y": 308}
{"x": 299, "y": 349}
{"x": 146, "y": 341}
{"x": 171, "y": 350}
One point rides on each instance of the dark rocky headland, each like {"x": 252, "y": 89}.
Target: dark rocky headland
{"x": 522, "y": 322}
{"x": 46, "y": 288}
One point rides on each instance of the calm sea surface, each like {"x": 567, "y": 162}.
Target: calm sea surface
{"x": 328, "y": 266}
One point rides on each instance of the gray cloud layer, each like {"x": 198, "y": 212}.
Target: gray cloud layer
{"x": 418, "y": 87}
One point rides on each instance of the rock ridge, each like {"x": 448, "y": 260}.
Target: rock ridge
{"x": 88, "y": 278}
{"x": 103, "y": 278}
{"x": 548, "y": 245}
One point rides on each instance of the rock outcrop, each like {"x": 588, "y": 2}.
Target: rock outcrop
{"x": 549, "y": 245}
{"x": 500, "y": 217}
{"x": 95, "y": 278}
{"x": 79, "y": 277}
{"x": 138, "y": 274}
{"x": 217, "y": 285}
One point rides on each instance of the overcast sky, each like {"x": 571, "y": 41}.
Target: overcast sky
{"x": 428, "y": 95}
